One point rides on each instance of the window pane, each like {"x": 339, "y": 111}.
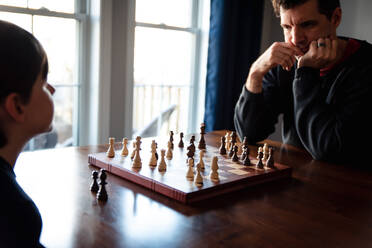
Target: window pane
{"x": 14, "y": 3}
{"x": 169, "y": 12}
{"x": 22, "y": 20}
{"x": 164, "y": 60}
{"x": 67, "y": 6}
{"x": 58, "y": 37}
{"x": 162, "y": 74}
{"x": 64, "y": 103}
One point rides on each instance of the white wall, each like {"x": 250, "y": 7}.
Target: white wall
{"x": 357, "y": 19}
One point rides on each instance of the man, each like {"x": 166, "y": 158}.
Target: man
{"x": 321, "y": 84}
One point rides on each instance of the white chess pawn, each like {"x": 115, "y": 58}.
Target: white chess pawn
{"x": 214, "y": 170}
{"x": 162, "y": 165}
{"x": 190, "y": 171}
{"x": 201, "y": 162}
{"x": 153, "y": 160}
{"x": 137, "y": 159}
{"x": 198, "y": 178}
{"x": 228, "y": 141}
{"x": 124, "y": 151}
{"x": 111, "y": 150}
{"x": 169, "y": 151}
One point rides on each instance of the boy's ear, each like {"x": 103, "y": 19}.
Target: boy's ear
{"x": 15, "y": 107}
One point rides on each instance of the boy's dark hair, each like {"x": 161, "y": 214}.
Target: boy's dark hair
{"x": 325, "y": 7}
{"x": 22, "y": 58}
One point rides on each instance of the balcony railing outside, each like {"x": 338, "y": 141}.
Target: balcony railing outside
{"x": 150, "y": 101}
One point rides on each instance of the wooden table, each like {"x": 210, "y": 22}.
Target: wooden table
{"x": 323, "y": 205}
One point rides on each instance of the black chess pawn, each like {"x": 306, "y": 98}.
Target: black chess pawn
{"x": 94, "y": 186}
{"x": 246, "y": 160}
{"x": 191, "y": 151}
{"x": 233, "y": 136}
{"x": 235, "y": 157}
{"x": 102, "y": 193}
{"x": 231, "y": 151}
{"x": 223, "y": 146}
{"x": 180, "y": 144}
{"x": 192, "y": 145}
{"x": 259, "y": 164}
{"x": 244, "y": 154}
{"x": 202, "y": 145}
{"x": 171, "y": 139}
{"x": 270, "y": 159}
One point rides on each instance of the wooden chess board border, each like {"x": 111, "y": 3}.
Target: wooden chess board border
{"x": 189, "y": 197}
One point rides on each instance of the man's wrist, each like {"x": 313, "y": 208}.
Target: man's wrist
{"x": 254, "y": 83}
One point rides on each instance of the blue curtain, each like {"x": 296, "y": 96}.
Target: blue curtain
{"x": 234, "y": 44}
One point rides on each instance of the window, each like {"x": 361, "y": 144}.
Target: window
{"x": 56, "y": 24}
{"x": 166, "y": 61}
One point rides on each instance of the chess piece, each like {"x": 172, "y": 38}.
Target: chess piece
{"x": 169, "y": 151}
{"x": 202, "y": 145}
{"x": 134, "y": 150}
{"x": 156, "y": 153}
{"x": 265, "y": 150}
{"x": 259, "y": 164}
{"x": 171, "y": 139}
{"x": 246, "y": 160}
{"x": 227, "y": 139}
{"x": 94, "y": 186}
{"x": 153, "y": 159}
{"x": 162, "y": 165}
{"x": 270, "y": 159}
{"x": 102, "y": 193}
{"x": 231, "y": 152}
{"x": 235, "y": 157}
{"x": 201, "y": 162}
{"x": 111, "y": 150}
{"x": 124, "y": 151}
{"x": 234, "y": 137}
{"x": 214, "y": 170}
{"x": 258, "y": 153}
{"x": 222, "y": 147}
{"x": 191, "y": 150}
{"x": 198, "y": 178}
{"x": 192, "y": 140}
{"x": 245, "y": 149}
{"x": 137, "y": 159}
{"x": 180, "y": 144}
{"x": 190, "y": 170}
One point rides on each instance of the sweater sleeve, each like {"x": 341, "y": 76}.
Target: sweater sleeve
{"x": 256, "y": 114}
{"x": 329, "y": 126}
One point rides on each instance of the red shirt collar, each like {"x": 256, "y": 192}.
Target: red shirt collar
{"x": 351, "y": 47}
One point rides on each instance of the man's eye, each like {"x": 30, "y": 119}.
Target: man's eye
{"x": 307, "y": 24}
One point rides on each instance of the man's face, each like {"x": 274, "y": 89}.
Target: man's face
{"x": 303, "y": 24}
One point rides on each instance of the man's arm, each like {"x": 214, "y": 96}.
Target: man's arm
{"x": 258, "y": 106}
{"x": 331, "y": 126}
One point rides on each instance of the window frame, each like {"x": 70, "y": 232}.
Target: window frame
{"x": 81, "y": 18}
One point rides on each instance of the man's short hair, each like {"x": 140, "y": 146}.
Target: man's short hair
{"x": 325, "y": 7}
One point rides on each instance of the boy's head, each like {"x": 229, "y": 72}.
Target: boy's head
{"x": 23, "y": 65}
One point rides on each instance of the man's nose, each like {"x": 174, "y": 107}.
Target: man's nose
{"x": 298, "y": 36}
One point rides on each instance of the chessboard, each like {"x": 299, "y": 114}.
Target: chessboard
{"x": 173, "y": 182}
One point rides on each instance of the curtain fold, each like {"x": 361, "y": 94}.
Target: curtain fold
{"x": 234, "y": 44}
